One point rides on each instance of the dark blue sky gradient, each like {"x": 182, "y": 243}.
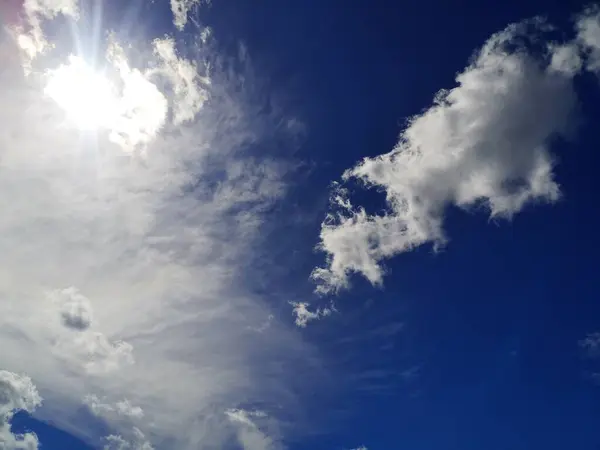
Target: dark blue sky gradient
{"x": 487, "y": 357}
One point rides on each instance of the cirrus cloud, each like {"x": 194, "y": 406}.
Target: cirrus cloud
{"x": 152, "y": 222}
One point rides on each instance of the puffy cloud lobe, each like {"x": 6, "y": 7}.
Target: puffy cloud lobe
{"x": 17, "y": 393}
{"x": 141, "y": 109}
{"x": 484, "y": 143}
{"x": 100, "y": 355}
{"x": 142, "y": 106}
{"x": 92, "y": 349}
{"x": 75, "y": 309}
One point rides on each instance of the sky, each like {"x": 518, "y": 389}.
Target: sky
{"x": 299, "y": 225}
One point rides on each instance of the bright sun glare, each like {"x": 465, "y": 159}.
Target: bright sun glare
{"x": 87, "y": 97}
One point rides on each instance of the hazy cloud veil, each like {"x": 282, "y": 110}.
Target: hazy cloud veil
{"x": 129, "y": 208}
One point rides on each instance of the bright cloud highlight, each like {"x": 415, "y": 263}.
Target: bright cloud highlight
{"x": 485, "y": 143}
{"x": 128, "y": 247}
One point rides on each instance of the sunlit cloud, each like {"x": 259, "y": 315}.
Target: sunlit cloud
{"x": 86, "y": 96}
{"x": 132, "y": 208}
{"x": 484, "y": 144}
{"x": 30, "y": 36}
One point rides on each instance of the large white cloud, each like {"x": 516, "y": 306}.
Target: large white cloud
{"x": 17, "y": 393}
{"x": 483, "y": 144}
{"x": 125, "y": 249}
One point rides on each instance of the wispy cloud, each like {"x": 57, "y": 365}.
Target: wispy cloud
{"x": 126, "y": 249}
{"x": 591, "y": 344}
{"x": 181, "y": 10}
{"x": 30, "y": 37}
{"x": 588, "y": 36}
{"x": 484, "y": 144}
{"x": 249, "y": 434}
{"x": 303, "y": 314}
{"x": 137, "y": 441}
{"x": 186, "y": 81}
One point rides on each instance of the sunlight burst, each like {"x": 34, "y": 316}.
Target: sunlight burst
{"x": 87, "y": 97}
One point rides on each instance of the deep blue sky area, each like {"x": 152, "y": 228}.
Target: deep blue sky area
{"x": 487, "y": 356}
{"x": 492, "y": 323}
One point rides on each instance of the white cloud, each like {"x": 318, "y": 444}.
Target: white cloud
{"x": 187, "y": 84}
{"x": 304, "y": 314}
{"x": 136, "y": 442}
{"x": 17, "y": 393}
{"x": 249, "y": 435}
{"x": 88, "y": 349}
{"x": 588, "y": 36}
{"x": 32, "y": 40}
{"x": 120, "y": 408}
{"x": 181, "y": 10}
{"x": 75, "y": 309}
{"x": 155, "y": 226}
{"x": 483, "y": 144}
{"x": 95, "y": 352}
{"x": 142, "y": 106}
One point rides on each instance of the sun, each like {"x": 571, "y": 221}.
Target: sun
{"x": 87, "y": 97}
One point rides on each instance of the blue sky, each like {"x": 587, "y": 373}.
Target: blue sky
{"x": 243, "y": 225}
